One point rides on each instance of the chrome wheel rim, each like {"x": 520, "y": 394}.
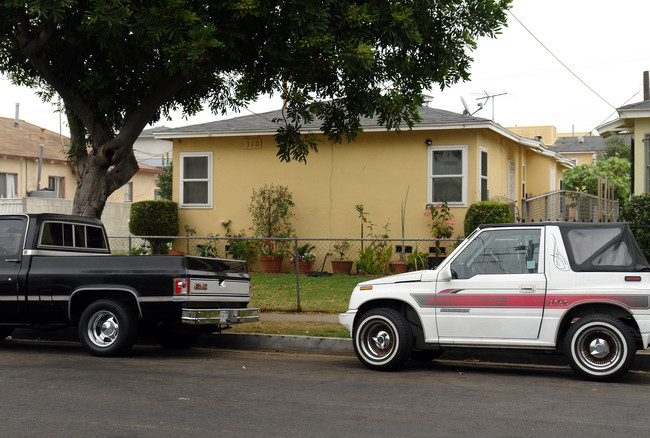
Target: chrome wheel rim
{"x": 378, "y": 340}
{"x": 599, "y": 348}
{"x": 103, "y": 328}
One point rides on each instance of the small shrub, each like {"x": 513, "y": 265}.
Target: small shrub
{"x": 487, "y": 212}
{"x": 417, "y": 260}
{"x": 636, "y": 212}
{"x": 154, "y": 218}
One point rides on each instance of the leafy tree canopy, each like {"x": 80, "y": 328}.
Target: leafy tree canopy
{"x": 617, "y": 147}
{"x": 119, "y": 65}
{"x": 584, "y": 178}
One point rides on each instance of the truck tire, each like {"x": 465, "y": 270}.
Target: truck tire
{"x": 108, "y": 328}
{"x": 383, "y": 339}
{"x": 599, "y": 347}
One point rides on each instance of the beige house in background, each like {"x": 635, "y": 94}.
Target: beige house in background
{"x": 460, "y": 158}
{"x": 634, "y": 119}
{"x": 19, "y": 156}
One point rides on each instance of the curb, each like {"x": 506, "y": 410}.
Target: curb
{"x": 325, "y": 345}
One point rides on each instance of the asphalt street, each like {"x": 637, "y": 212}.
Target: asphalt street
{"x": 55, "y": 389}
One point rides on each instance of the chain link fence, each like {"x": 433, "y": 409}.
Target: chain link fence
{"x": 564, "y": 205}
{"x": 417, "y": 253}
{"x": 301, "y": 288}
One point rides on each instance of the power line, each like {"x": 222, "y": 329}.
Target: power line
{"x": 560, "y": 61}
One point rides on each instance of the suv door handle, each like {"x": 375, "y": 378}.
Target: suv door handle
{"x": 527, "y": 288}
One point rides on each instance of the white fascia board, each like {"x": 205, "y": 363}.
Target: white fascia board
{"x": 613, "y": 127}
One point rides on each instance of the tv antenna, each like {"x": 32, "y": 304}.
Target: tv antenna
{"x": 467, "y": 111}
{"x": 486, "y": 100}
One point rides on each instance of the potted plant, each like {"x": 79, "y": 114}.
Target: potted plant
{"x": 305, "y": 258}
{"x": 441, "y": 227}
{"x": 399, "y": 267}
{"x": 270, "y": 208}
{"x": 341, "y": 266}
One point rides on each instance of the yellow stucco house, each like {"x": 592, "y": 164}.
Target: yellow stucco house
{"x": 634, "y": 119}
{"x": 19, "y": 156}
{"x": 460, "y": 158}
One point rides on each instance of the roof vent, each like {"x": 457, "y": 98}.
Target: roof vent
{"x": 581, "y": 139}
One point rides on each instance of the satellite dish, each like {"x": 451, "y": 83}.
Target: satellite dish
{"x": 466, "y": 111}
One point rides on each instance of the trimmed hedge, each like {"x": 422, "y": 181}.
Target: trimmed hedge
{"x": 487, "y": 212}
{"x": 154, "y": 218}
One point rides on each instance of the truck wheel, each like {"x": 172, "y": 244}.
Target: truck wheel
{"x": 108, "y": 328}
{"x": 176, "y": 340}
{"x": 383, "y": 339}
{"x": 600, "y": 347}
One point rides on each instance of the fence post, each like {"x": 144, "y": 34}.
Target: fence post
{"x": 130, "y": 245}
{"x": 296, "y": 265}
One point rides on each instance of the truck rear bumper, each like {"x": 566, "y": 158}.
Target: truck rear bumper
{"x": 219, "y": 316}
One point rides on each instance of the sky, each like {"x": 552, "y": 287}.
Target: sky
{"x": 569, "y": 64}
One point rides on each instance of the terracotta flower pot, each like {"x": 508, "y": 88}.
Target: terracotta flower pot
{"x": 270, "y": 264}
{"x": 398, "y": 267}
{"x": 304, "y": 267}
{"x": 341, "y": 267}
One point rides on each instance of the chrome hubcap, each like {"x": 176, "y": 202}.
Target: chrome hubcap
{"x": 599, "y": 348}
{"x": 382, "y": 340}
{"x": 103, "y": 328}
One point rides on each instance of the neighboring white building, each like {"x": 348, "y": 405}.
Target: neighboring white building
{"x": 150, "y": 150}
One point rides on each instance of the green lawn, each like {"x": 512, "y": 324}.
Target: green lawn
{"x": 277, "y": 292}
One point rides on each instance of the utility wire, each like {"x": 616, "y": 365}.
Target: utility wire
{"x": 560, "y": 61}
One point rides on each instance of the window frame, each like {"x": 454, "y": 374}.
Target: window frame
{"x": 128, "y": 192}
{"x": 207, "y": 180}
{"x": 463, "y": 175}
{"x": 57, "y": 184}
{"x": 481, "y": 177}
{"x": 14, "y": 176}
{"x": 73, "y": 237}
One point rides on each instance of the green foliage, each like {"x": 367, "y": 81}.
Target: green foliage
{"x": 617, "y": 147}
{"x": 165, "y": 179}
{"x": 636, "y": 212}
{"x": 208, "y": 249}
{"x": 270, "y": 208}
{"x": 341, "y": 248}
{"x": 154, "y": 218}
{"x": 121, "y": 65}
{"x": 305, "y": 253}
{"x": 487, "y": 212}
{"x": 417, "y": 260}
{"x": 375, "y": 258}
{"x": 584, "y": 178}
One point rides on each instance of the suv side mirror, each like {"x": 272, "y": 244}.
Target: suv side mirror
{"x": 445, "y": 273}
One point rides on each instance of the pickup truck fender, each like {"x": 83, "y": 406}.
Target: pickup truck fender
{"x": 87, "y": 294}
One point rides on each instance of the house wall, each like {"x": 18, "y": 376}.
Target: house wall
{"x": 375, "y": 171}
{"x": 144, "y": 186}
{"x": 26, "y": 170}
{"x": 641, "y": 129}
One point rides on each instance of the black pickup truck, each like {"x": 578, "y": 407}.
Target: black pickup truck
{"x": 57, "y": 271}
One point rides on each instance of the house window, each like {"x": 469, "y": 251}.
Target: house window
{"x": 8, "y": 185}
{"x": 128, "y": 192}
{"x": 196, "y": 180}
{"x": 483, "y": 188}
{"x": 448, "y": 174}
{"x": 57, "y": 183}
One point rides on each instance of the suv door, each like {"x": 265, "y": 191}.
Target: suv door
{"x": 12, "y": 237}
{"x": 497, "y": 289}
